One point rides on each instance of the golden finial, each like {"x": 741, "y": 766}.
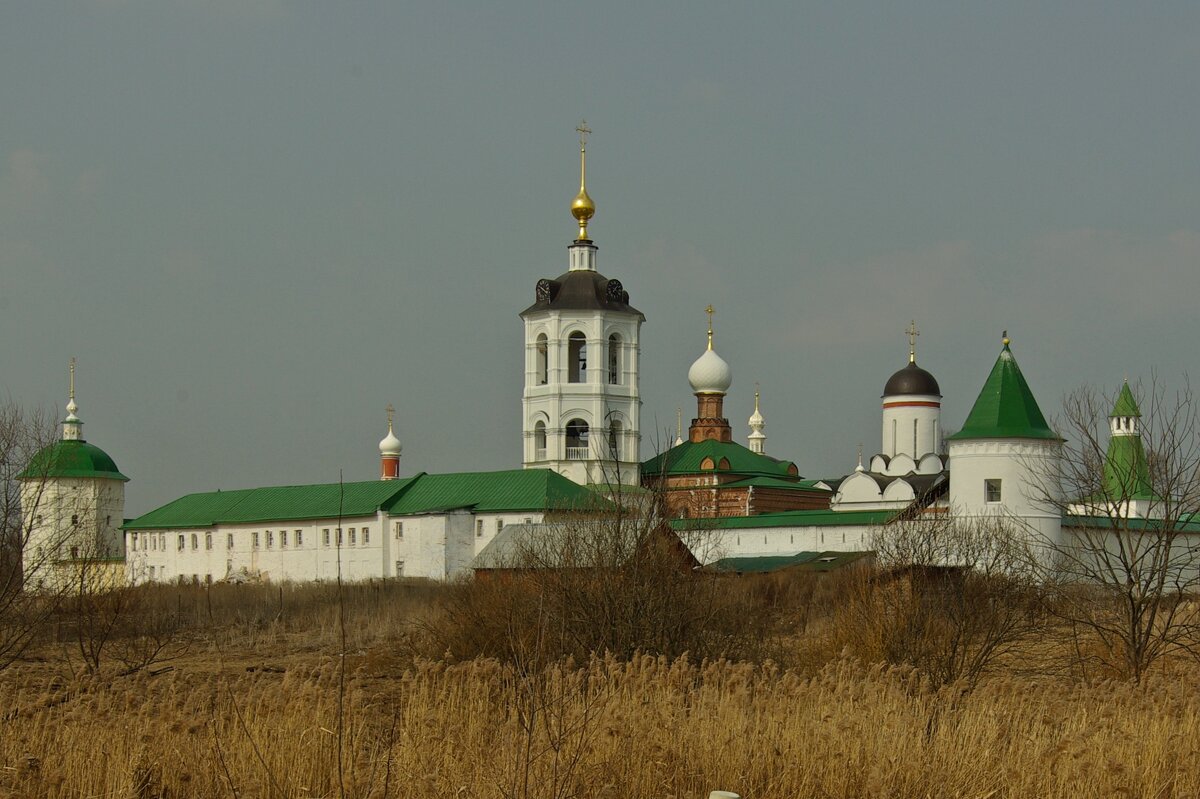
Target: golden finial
{"x": 1004, "y": 338}
{"x": 860, "y": 466}
{"x": 756, "y": 396}
{"x": 912, "y": 340}
{"x": 72, "y": 370}
{"x": 390, "y": 413}
{"x": 709, "y": 310}
{"x": 678, "y": 423}
{"x": 583, "y": 208}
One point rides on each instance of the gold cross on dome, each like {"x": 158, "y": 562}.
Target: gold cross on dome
{"x": 583, "y": 130}
{"x": 912, "y": 340}
{"x": 709, "y": 310}
{"x": 72, "y": 368}
{"x": 390, "y": 413}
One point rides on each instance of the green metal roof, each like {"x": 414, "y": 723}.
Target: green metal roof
{"x": 687, "y": 457}
{"x": 519, "y": 489}
{"x": 493, "y": 492}
{"x": 807, "y": 561}
{"x": 775, "y": 482}
{"x": 789, "y": 518}
{"x": 1126, "y": 404}
{"x": 274, "y": 503}
{"x": 1006, "y": 407}
{"x": 72, "y": 459}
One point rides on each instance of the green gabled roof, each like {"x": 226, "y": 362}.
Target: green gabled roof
{"x": 789, "y": 518}
{"x": 687, "y": 457}
{"x": 274, "y": 503}
{"x": 493, "y": 492}
{"x": 804, "y": 561}
{"x": 1126, "y": 404}
{"x": 516, "y": 490}
{"x": 775, "y": 482}
{"x": 71, "y": 459}
{"x": 1006, "y": 407}
{"x": 1126, "y": 473}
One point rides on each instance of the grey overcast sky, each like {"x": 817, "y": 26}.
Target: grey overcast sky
{"x": 258, "y": 222}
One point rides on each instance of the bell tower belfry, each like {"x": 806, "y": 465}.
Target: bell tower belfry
{"x": 581, "y": 405}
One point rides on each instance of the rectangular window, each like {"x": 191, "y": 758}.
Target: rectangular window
{"x": 325, "y": 536}
{"x": 182, "y": 542}
{"x": 991, "y": 490}
{"x": 133, "y": 541}
{"x": 283, "y": 539}
{"x": 366, "y": 535}
{"x": 353, "y": 537}
{"x": 399, "y": 568}
{"x": 270, "y": 539}
{"x": 254, "y": 540}
{"x": 195, "y": 542}
{"x": 154, "y": 543}
{"x": 529, "y": 520}
{"x": 499, "y": 524}
{"x": 299, "y": 538}
{"x": 208, "y": 540}
{"x": 340, "y": 539}
{"x": 162, "y": 541}
{"x": 229, "y": 540}
{"x": 479, "y": 528}
{"x": 399, "y": 531}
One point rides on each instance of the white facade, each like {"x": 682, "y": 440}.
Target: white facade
{"x": 436, "y": 546}
{"x": 1013, "y": 478}
{"x": 70, "y": 518}
{"x": 912, "y": 425}
{"x": 581, "y": 405}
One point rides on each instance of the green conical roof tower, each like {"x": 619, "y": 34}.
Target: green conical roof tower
{"x": 1006, "y": 407}
{"x": 1126, "y": 472}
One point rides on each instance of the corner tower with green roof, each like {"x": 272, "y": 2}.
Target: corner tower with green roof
{"x": 72, "y": 503}
{"x": 1005, "y": 459}
{"x": 1126, "y": 470}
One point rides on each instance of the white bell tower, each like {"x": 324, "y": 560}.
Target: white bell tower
{"x": 581, "y": 406}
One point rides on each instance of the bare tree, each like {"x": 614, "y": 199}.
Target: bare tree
{"x": 23, "y": 497}
{"x": 950, "y": 596}
{"x": 1130, "y": 552}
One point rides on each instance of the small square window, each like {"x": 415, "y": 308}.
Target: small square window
{"x": 991, "y": 490}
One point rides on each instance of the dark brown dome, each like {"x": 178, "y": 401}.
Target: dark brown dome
{"x": 911, "y": 380}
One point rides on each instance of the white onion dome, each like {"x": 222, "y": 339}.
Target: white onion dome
{"x": 756, "y": 419}
{"x": 390, "y": 445}
{"x": 710, "y": 374}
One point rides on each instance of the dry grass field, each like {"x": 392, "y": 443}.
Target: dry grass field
{"x": 257, "y": 699}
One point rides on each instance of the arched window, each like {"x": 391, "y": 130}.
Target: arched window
{"x": 577, "y": 358}
{"x": 615, "y": 433}
{"x": 614, "y": 359}
{"x": 577, "y": 440}
{"x": 542, "y": 357}
{"x": 539, "y": 441}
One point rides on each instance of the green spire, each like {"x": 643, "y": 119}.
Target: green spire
{"x": 1126, "y": 475}
{"x": 1126, "y": 404}
{"x": 1006, "y": 407}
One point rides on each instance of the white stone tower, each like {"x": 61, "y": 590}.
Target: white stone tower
{"x": 581, "y": 406}
{"x": 1004, "y": 461}
{"x": 73, "y": 505}
{"x": 912, "y": 409}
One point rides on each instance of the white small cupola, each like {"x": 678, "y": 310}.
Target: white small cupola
{"x": 389, "y": 451}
